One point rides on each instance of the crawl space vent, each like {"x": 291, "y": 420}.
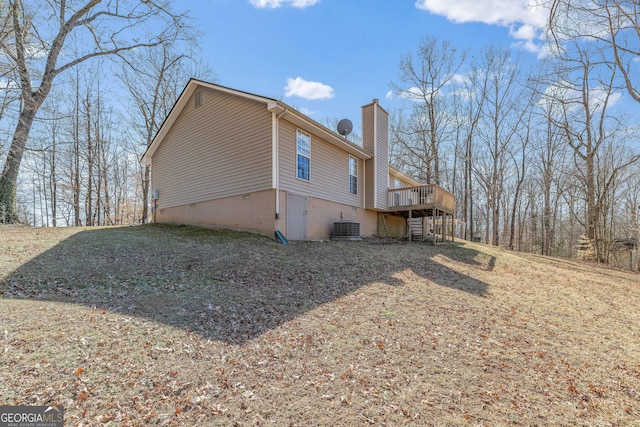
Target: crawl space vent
{"x": 346, "y": 230}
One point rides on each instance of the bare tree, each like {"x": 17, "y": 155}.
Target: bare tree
{"x": 154, "y": 78}
{"x": 550, "y": 163}
{"x": 631, "y": 211}
{"x": 471, "y": 96}
{"x": 51, "y": 133}
{"x": 613, "y": 24}
{"x": 427, "y": 127}
{"x": 37, "y": 33}
{"x": 8, "y": 85}
{"x": 520, "y": 166}
{"x": 75, "y": 157}
{"x": 584, "y": 90}
{"x": 503, "y": 113}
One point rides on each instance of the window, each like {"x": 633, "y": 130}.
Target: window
{"x": 198, "y": 98}
{"x": 303, "y": 162}
{"x": 353, "y": 175}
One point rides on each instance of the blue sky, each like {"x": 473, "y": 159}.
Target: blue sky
{"x": 329, "y": 57}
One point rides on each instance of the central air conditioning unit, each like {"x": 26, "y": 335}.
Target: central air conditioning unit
{"x": 346, "y": 230}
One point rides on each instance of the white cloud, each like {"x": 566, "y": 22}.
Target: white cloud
{"x": 459, "y": 78}
{"x": 530, "y": 46}
{"x": 308, "y": 90}
{"x": 8, "y": 84}
{"x": 306, "y": 111}
{"x": 599, "y": 95}
{"x": 524, "y": 32}
{"x": 525, "y": 21}
{"x": 272, "y": 4}
{"x": 493, "y": 12}
{"x": 573, "y": 97}
{"x": 413, "y": 93}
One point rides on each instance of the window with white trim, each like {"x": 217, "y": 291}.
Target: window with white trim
{"x": 353, "y": 175}
{"x": 303, "y": 151}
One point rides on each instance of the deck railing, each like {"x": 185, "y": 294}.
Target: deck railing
{"x": 422, "y": 197}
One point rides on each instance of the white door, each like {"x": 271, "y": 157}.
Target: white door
{"x": 296, "y": 217}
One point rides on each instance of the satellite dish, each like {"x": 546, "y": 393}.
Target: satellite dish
{"x": 345, "y": 127}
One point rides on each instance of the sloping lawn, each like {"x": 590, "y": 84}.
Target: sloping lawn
{"x": 180, "y": 326}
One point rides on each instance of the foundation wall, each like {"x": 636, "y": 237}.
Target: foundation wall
{"x": 253, "y": 212}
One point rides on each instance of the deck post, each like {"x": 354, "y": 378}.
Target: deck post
{"x": 444, "y": 226}
{"x": 409, "y": 224}
{"x": 454, "y": 226}
{"x": 435, "y": 227}
{"x": 446, "y": 215}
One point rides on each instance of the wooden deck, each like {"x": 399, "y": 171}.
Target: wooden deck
{"x": 429, "y": 210}
{"x": 420, "y": 201}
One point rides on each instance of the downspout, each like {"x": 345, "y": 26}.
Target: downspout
{"x": 276, "y": 157}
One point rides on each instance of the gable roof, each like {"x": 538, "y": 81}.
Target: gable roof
{"x": 288, "y": 113}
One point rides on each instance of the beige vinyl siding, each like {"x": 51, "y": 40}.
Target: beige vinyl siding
{"x": 329, "y": 169}
{"x": 375, "y": 141}
{"x": 403, "y": 182}
{"x": 369, "y": 172}
{"x": 382, "y": 158}
{"x": 219, "y": 149}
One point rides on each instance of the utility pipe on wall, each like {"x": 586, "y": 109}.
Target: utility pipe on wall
{"x": 276, "y": 156}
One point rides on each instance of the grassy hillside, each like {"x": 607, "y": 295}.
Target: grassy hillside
{"x": 188, "y": 326}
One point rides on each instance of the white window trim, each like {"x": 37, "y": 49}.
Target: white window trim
{"x": 355, "y": 159}
{"x": 301, "y": 132}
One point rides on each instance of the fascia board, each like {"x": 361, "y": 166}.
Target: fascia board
{"x": 272, "y": 105}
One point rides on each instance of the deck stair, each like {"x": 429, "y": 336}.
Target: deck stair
{"x": 415, "y": 228}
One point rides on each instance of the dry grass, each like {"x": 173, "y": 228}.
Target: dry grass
{"x": 187, "y": 326}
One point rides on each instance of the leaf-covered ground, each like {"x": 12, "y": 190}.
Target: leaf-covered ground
{"x": 180, "y": 326}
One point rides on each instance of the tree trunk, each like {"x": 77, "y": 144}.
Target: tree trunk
{"x": 592, "y": 209}
{"x": 9, "y": 177}
{"x": 75, "y": 180}
{"x": 547, "y": 232}
{"x": 468, "y": 194}
{"x": 33, "y": 40}
{"x": 53, "y": 181}
{"x": 516, "y": 200}
{"x": 495, "y": 200}
{"x": 89, "y": 194}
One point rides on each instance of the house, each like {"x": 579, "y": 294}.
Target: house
{"x": 232, "y": 159}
